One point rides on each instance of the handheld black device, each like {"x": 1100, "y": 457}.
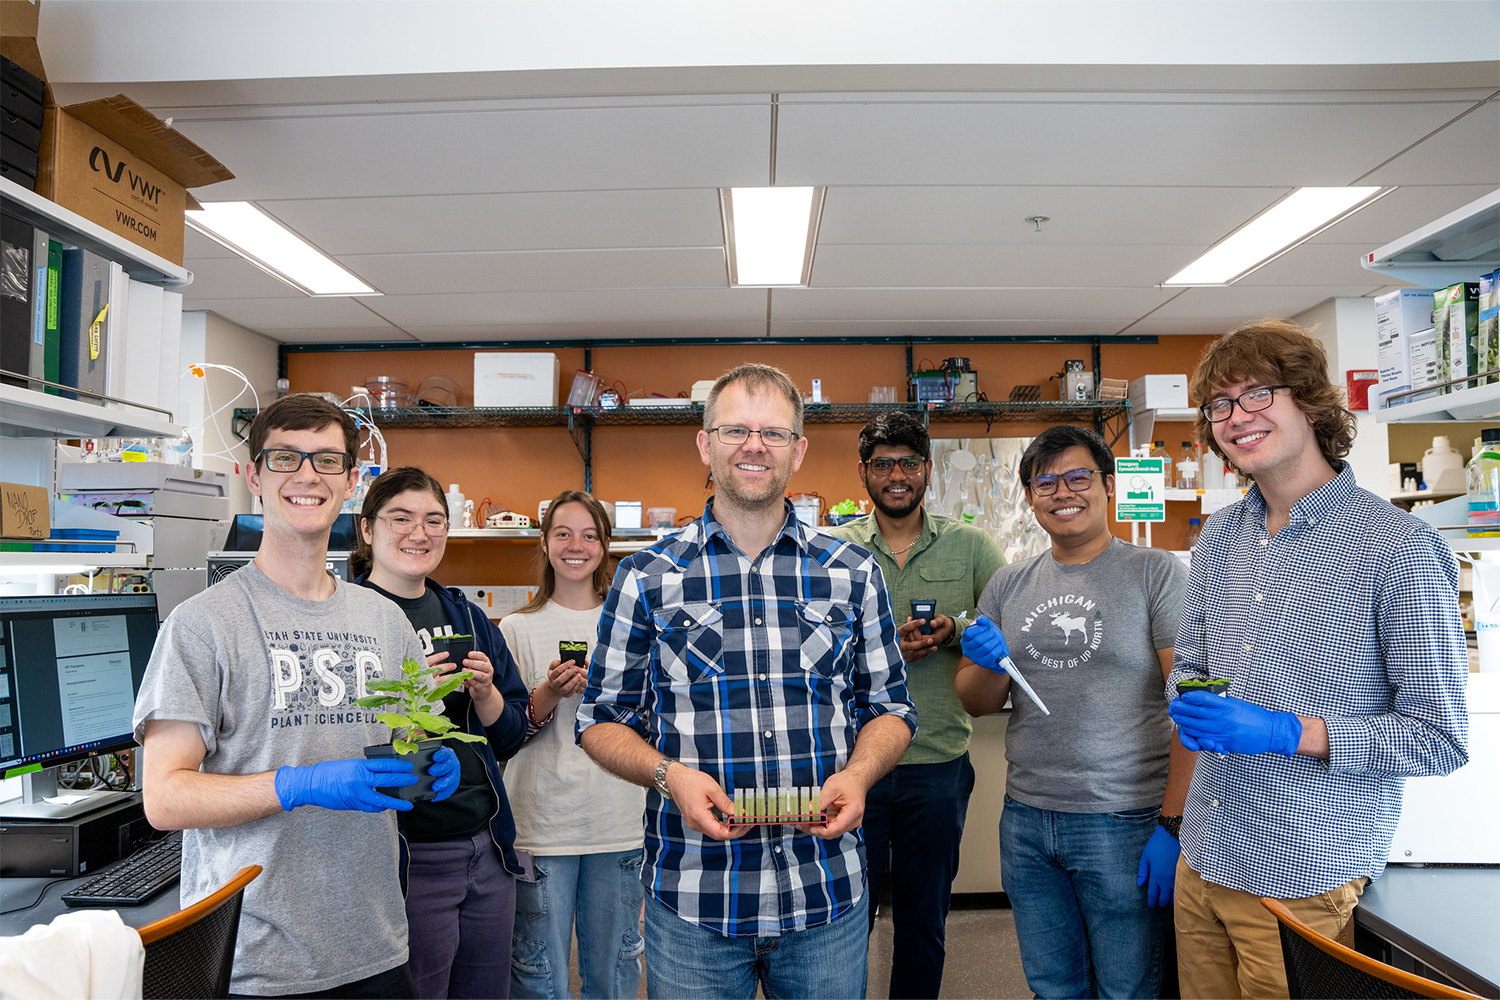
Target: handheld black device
{"x": 923, "y": 611}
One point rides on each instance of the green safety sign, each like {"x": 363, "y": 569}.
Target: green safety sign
{"x": 1140, "y": 490}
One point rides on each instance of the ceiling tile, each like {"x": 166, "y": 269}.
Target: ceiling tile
{"x": 540, "y": 220}
{"x": 602, "y": 330}
{"x": 622, "y": 307}
{"x": 1466, "y": 152}
{"x": 1242, "y": 303}
{"x": 1110, "y": 214}
{"x": 958, "y": 330}
{"x": 1013, "y": 266}
{"x": 270, "y": 316}
{"x": 1400, "y": 212}
{"x": 1111, "y": 308}
{"x": 233, "y": 278}
{"x": 557, "y": 270}
{"x": 1315, "y": 264}
{"x": 1262, "y": 143}
{"x": 399, "y": 153}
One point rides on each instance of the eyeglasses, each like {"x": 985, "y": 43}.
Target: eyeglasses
{"x": 403, "y": 525}
{"x": 1216, "y": 411}
{"x": 883, "y": 466}
{"x": 771, "y": 437}
{"x": 327, "y": 463}
{"x": 1076, "y": 480}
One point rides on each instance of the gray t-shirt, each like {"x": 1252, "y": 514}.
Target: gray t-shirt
{"x": 271, "y": 680}
{"x": 1086, "y": 638}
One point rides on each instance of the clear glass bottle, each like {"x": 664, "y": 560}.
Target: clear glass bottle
{"x": 1188, "y": 476}
{"x": 1483, "y": 476}
{"x": 1159, "y": 450}
{"x": 1195, "y": 528}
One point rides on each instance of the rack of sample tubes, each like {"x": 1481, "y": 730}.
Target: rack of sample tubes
{"x": 755, "y": 806}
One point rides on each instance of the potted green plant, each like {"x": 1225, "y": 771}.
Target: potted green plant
{"x": 417, "y": 723}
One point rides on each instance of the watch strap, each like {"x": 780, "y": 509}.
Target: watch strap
{"x": 661, "y": 775}
{"x": 1172, "y": 824}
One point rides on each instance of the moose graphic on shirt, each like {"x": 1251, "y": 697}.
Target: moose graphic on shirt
{"x": 1070, "y": 623}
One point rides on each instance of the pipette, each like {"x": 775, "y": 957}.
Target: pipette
{"x": 1010, "y": 668}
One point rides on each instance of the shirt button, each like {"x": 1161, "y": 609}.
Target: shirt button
{"x": 1215, "y": 803}
{"x": 1265, "y": 541}
{"x": 1247, "y": 647}
{"x": 828, "y": 618}
{"x": 761, "y": 676}
{"x": 768, "y": 734}
{"x": 1312, "y": 520}
{"x": 1260, "y": 597}
{"x": 757, "y": 621}
{"x": 687, "y": 621}
{"x": 777, "y": 848}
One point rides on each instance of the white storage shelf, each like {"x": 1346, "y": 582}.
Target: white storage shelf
{"x": 28, "y": 413}
{"x": 43, "y": 562}
{"x": 1460, "y": 246}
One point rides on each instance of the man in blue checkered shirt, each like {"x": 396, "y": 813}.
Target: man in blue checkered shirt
{"x": 1334, "y": 616}
{"x": 746, "y": 652}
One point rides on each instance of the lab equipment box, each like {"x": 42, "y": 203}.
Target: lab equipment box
{"x": 505, "y": 378}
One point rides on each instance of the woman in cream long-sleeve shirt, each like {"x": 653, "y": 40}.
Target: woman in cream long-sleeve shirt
{"x": 581, "y": 824}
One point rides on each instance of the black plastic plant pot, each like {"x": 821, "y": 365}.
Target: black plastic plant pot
{"x": 1213, "y": 685}
{"x": 422, "y": 760}
{"x": 456, "y": 646}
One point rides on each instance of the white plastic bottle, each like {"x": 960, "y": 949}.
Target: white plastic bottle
{"x": 455, "y": 506}
{"x": 1213, "y": 470}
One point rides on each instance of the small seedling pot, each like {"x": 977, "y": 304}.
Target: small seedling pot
{"x": 458, "y": 647}
{"x": 422, "y": 760}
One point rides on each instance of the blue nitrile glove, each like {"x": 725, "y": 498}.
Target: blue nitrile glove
{"x": 444, "y": 768}
{"x": 1159, "y": 867}
{"x": 984, "y": 643}
{"x": 344, "y": 784}
{"x": 1232, "y": 725}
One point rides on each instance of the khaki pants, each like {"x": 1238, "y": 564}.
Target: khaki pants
{"x": 1228, "y": 945}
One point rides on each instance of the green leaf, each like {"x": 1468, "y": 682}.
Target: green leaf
{"x": 429, "y": 671}
{"x": 411, "y": 666}
{"x": 386, "y": 685}
{"x": 466, "y": 737}
{"x": 431, "y": 723}
{"x": 449, "y": 686}
{"x": 376, "y": 701}
{"x": 395, "y": 721}
{"x": 404, "y": 746}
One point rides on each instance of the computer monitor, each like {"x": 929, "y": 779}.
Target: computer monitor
{"x": 70, "y": 669}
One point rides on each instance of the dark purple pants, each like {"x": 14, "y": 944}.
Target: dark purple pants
{"x": 461, "y": 909}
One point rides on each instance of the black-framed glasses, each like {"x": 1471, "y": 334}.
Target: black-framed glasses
{"x": 404, "y": 524}
{"x": 326, "y": 463}
{"x": 1076, "y": 480}
{"x": 1216, "y": 411}
{"x": 771, "y": 437}
{"x": 910, "y": 464}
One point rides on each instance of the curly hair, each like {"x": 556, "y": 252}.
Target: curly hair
{"x": 1276, "y": 352}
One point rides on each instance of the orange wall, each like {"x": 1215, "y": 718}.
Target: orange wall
{"x": 520, "y": 467}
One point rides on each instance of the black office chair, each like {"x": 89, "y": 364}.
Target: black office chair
{"x": 191, "y": 952}
{"x": 1320, "y": 967}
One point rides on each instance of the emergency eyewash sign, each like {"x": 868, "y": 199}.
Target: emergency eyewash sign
{"x": 1140, "y": 490}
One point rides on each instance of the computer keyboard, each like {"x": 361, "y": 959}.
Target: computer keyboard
{"x": 145, "y": 874}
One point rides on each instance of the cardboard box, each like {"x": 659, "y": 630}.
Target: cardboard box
{"x": 1158, "y": 392}
{"x": 1488, "y": 347}
{"x": 1455, "y": 315}
{"x": 505, "y": 378}
{"x": 115, "y": 163}
{"x": 1399, "y": 316}
{"x": 24, "y": 511}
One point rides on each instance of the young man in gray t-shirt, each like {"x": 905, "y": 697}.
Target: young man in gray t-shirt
{"x": 253, "y": 742}
{"x": 1094, "y": 791}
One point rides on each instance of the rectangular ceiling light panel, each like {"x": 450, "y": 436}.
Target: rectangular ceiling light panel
{"x": 1298, "y": 217}
{"x": 770, "y": 233}
{"x": 275, "y": 249}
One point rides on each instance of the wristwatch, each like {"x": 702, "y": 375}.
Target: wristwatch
{"x": 1172, "y": 824}
{"x": 661, "y": 775}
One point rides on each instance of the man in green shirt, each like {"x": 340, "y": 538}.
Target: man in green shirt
{"x": 914, "y": 816}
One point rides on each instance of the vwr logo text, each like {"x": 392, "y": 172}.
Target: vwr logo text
{"x": 150, "y": 192}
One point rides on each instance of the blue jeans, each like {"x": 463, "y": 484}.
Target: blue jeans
{"x": 690, "y": 962}
{"x": 460, "y": 901}
{"x": 914, "y": 817}
{"x": 1084, "y": 926}
{"x": 602, "y": 893}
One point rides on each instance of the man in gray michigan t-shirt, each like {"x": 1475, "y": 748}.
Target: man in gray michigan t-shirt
{"x": 253, "y": 742}
{"x": 1094, "y": 790}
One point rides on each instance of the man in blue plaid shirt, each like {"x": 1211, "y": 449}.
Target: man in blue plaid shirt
{"x": 1334, "y": 616}
{"x": 746, "y": 652}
